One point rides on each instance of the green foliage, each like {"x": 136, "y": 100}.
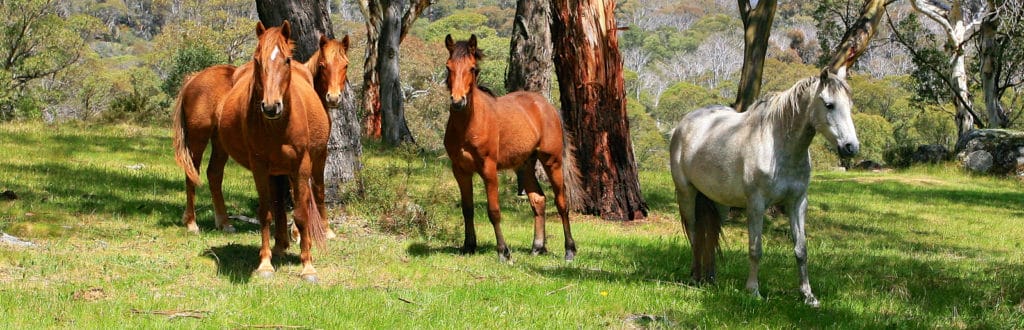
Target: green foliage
{"x": 191, "y": 57}
{"x": 141, "y": 101}
{"x": 875, "y": 135}
{"x": 680, "y": 99}
{"x": 460, "y": 25}
{"x": 650, "y": 145}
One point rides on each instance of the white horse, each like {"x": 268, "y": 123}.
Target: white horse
{"x": 721, "y": 158}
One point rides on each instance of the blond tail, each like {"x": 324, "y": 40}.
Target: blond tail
{"x": 182, "y": 155}
{"x": 315, "y": 225}
{"x": 571, "y": 173}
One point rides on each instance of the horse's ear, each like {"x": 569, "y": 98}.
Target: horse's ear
{"x": 286, "y": 29}
{"x": 841, "y": 72}
{"x": 472, "y": 44}
{"x": 260, "y": 29}
{"x": 324, "y": 40}
{"x": 824, "y": 76}
{"x": 344, "y": 43}
{"x": 449, "y": 43}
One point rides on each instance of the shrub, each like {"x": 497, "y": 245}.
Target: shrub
{"x": 192, "y": 57}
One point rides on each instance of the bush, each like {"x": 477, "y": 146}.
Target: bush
{"x": 875, "y": 134}
{"x": 190, "y": 58}
{"x": 140, "y": 101}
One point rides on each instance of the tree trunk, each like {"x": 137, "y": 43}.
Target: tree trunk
{"x": 394, "y": 129}
{"x": 952, "y": 22}
{"x": 371, "y": 81}
{"x": 857, "y": 38}
{"x": 373, "y": 12}
{"x": 991, "y": 69}
{"x": 529, "y": 63}
{"x": 757, "y": 26}
{"x": 309, "y": 19}
{"x": 589, "y": 69}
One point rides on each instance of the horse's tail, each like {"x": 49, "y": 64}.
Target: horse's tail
{"x": 571, "y": 173}
{"x": 182, "y": 154}
{"x": 317, "y": 232}
{"x": 708, "y": 229}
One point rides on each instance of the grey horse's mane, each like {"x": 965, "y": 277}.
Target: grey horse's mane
{"x": 782, "y": 107}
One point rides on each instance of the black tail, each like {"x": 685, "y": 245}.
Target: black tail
{"x": 708, "y": 229}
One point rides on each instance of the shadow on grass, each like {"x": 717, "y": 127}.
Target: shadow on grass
{"x": 237, "y": 261}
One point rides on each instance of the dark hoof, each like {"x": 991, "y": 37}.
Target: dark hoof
{"x": 311, "y": 278}
{"x": 467, "y": 249}
{"x": 505, "y": 257}
{"x": 539, "y": 250}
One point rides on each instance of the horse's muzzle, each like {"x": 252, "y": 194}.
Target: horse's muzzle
{"x": 332, "y": 101}
{"x": 848, "y": 149}
{"x": 459, "y": 105}
{"x": 273, "y": 110}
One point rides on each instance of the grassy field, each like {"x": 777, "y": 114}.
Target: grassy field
{"x": 922, "y": 248}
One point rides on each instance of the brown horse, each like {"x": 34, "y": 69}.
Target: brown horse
{"x": 195, "y": 121}
{"x": 272, "y": 124}
{"x": 486, "y": 134}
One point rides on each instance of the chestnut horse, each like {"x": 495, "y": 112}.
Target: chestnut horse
{"x": 272, "y": 123}
{"x": 486, "y": 134}
{"x": 195, "y": 121}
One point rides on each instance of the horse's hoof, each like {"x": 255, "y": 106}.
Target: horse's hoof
{"x": 228, "y": 229}
{"x": 265, "y": 273}
{"x": 467, "y": 249}
{"x": 330, "y": 234}
{"x": 311, "y": 278}
{"x": 539, "y": 250}
{"x": 505, "y": 258}
{"x": 812, "y": 301}
{"x": 570, "y": 255}
{"x": 192, "y": 228}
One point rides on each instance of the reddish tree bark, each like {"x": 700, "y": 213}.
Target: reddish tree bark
{"x": 592, "y": 92}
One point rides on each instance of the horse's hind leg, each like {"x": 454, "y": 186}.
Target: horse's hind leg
{"x": 196, "y": 147}
{"x": 215, "y": 174}
{"x": 796, "y": 211}
{"x": 553, "y": 167}
{"x": 528, "y": 178}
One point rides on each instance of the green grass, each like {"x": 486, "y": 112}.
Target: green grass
{"x": 923, "y": 248}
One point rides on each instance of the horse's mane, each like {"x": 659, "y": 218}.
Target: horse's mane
{"x": 783, "y": 106}
{"x": 461, "y": 50}
{"x": 486, "y": 90}
{"x": 333, "y": 48}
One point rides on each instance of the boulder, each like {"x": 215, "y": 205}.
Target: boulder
{"x": 931, "y": 154}
{"x": 868, "y": 165}
{"x": 992, "y": 151}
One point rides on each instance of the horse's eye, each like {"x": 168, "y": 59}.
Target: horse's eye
{"x": 473, "y": 70}
{"x": 830, "y": 105}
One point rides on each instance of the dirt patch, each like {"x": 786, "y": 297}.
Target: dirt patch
{"x": 904, "y": 180}
{"x": 90, "y": 294}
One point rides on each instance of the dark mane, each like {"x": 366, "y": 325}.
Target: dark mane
{"x": 461, "y": 50}
{"x": 486, "y": 90}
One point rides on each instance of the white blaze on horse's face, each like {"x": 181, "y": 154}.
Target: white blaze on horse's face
{"x": 272, "y": 72}
{"x": 832, "y": 115}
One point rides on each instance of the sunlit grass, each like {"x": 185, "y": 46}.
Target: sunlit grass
{"x": 927, "y": 247}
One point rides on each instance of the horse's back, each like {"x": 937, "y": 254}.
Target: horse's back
{"x": 528, "y": 123}
{"x": 202, "y": 92}
{"x": 709, "y": 149}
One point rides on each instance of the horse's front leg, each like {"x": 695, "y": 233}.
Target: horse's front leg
{"x": 215, "y": 175}
{"x": 755, "y": 225}
{"x": 465, "y": 182}
{"x": 797, "y": 211}
{"x": 263, "y": 213}
{"x": 490, "y": 177}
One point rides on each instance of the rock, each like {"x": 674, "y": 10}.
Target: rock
{"x": 8, "y": 195}
{"x": 978, "y": 161}
{"x": 930, "y": 153}
{"x": 868, "y": 165}
{"x": 1005, "y": 148}
{"x": 4, "y": 238}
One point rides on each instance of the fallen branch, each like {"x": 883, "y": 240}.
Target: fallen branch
{"x": 679, "y": 284}
{"x": 560, "y": 289}
{"x": 272, "y": 326}
{"x": 171, "y": 314}
{"x": 407, "y": 301}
